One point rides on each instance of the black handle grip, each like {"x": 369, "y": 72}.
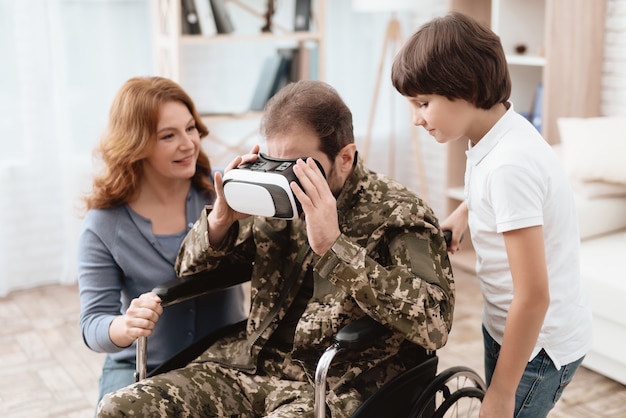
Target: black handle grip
{"x": 447, "y": 235}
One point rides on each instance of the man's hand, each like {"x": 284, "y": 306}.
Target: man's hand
{"x": 223, "y": 216}
{"x": 318, "y": 204}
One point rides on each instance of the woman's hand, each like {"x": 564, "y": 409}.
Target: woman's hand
{"x": 140, "y": 318}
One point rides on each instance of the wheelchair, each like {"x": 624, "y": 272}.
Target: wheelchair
{"x": 418, "y": 392}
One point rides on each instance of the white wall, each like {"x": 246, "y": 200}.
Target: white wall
{"x": 354, "y": 75}
{"x": 354, "y": 44}
{"x": 614, "y": 69}
{"x": 62, "y": 61}
{"x": 54, "y": 104}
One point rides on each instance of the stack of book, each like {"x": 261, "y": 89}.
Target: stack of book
{"x": 210, "y": 17}
{"x": 205, "y": 17}
{"x": 287, "y": 65}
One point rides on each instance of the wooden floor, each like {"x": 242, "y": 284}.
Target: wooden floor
{"x": 46, "y": 371}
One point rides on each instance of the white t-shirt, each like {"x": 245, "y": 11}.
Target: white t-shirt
{"x": 514, "y": 180}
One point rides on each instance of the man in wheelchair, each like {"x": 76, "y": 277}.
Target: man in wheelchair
{"x": 363, "y": 246}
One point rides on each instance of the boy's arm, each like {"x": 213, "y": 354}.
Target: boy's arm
{"x": 531, "y": 298}
{"x": 457, "y": 223}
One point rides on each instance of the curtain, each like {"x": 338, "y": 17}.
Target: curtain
{"x": 63, "y": 61}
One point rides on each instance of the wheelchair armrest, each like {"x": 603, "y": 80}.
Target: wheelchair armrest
{"x": 360, "y": 332}
{"x": 220, "y": 278}
{"x": 355, "y": 335}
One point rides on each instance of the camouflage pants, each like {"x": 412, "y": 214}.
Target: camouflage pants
{"x": 210, "y": 390}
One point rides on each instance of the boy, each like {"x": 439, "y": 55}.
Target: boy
{"x": 519, "y": 208}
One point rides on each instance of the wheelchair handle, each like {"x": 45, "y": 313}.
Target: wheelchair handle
{"x": 447, "y": 235}
{"x": 142, "y": 359}
{"x": 224, "y": 276}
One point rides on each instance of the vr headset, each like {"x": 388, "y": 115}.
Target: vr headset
{"x": 262, "y": 188}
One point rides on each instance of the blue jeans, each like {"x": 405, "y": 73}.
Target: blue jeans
{"x": 115, "y": 375}
{"x": 541, "y": 385}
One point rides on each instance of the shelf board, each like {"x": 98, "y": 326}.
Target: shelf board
{"x": 225, "y": 117}
{"x": 251, "y": 37}
{"x": 457, "y": 193}
{"x": 529, "y": 60}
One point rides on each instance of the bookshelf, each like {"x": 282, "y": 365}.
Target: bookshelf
{"x": 221, "y": 70}
{"x": 562, "y": 52}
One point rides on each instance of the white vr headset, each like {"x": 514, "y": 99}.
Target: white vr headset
{"x": 262, "y": 188}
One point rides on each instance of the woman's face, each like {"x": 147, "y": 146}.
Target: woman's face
{"x": 177, "y": 144}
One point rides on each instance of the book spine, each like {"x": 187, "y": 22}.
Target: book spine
{"x": 266, "y": 82}
{"x": 283, "y": 74}
{"x": 190, "y": 23}
{"x": 302, "y": 16}
{"x": 223, "y": 23}
{"x": 205, "y": 17}
{"x": 536, "y": 113}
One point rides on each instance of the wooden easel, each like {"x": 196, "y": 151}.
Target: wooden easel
{"x": 391, "y": 44}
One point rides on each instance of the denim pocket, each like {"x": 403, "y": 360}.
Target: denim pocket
{"x": 566, "y": 377}
{"x": 492, "y": 352}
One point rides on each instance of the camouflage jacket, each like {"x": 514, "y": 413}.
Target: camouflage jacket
{"x": 390, "y": 263}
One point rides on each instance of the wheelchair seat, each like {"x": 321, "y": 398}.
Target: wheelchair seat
{"x": 418, "y": 392}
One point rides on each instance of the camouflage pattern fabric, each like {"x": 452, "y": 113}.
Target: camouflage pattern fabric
{"x": 390, "y": 263}
{"x": 208, "y": 389}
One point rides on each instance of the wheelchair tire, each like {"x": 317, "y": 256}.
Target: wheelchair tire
{"x": 464, "y": 402}
{"x": 450, "y": 388}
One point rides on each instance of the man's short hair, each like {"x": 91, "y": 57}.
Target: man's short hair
{"x": 312, "y": 105}
{"x": 456, "y": 57}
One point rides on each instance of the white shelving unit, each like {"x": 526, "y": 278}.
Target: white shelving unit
{"x": 521, "y": 23}
{"x": 518, "y": 23}
{"x": 563, "y": 40}
{"x": 220, "y": 71}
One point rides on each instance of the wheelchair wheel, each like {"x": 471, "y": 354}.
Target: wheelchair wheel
{"x": 455, "y": 392}
{"x": 465, "y": 402}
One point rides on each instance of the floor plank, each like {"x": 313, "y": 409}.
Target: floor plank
{"x": 46, "y": 370}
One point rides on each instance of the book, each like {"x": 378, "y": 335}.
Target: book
{"x": 302, "y": 16}
{"x": 205, "y": 17}
{"x": 295, "y": 67}
{"x": 265, "y": 84}
{"x": 284, "y": 74}
{"x": 223, "y": 22}
{"x": 274, "y": 75}
{"x": 536, "y": 112}
{"x": 189, "y": 17}
{"x": 309, "y": 62}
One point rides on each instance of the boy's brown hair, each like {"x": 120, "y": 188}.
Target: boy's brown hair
{"x": 456, "y": 57}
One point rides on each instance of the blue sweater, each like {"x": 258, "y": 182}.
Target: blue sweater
{"x": 120, "y": 258}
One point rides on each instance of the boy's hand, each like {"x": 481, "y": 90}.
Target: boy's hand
{"x": 456, "y": 224}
